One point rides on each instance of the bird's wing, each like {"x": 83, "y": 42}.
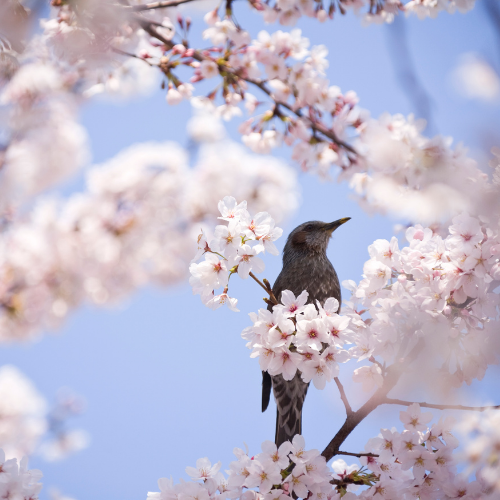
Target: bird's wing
{"x": 266, "y": 390}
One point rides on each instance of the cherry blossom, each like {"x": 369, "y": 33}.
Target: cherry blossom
{"x": 293, "y": 337}
{"x": 413, "y": 419}
{"x": 239, "y": 252}
{"x": 16, "y": 481}
{"x": 369, "y": 377}
{"x": 204, "y": 469}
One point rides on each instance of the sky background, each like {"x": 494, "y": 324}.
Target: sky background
{"x": 166, "y": 380}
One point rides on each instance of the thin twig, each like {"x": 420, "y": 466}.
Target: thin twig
{"x": 346, "y": 481}
{"x": 439, "y": 407}
{"x": 356, "y": 454}
{"x": 154, "y": 5}
{"x": 343, "y": 396}
{"x": 297, "y": 112}
{"x": 123, "y": 53}
{"x": 268, "y": 291}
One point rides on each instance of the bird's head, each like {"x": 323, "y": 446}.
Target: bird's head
{"x": 311, "y": 237}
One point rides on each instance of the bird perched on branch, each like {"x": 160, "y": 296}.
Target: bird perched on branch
{"x": 305, "y": 267}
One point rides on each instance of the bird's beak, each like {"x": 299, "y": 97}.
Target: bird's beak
{"x": 331, "y": 226}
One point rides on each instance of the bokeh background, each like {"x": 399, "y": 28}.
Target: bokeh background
{"x": 166, "y": 380}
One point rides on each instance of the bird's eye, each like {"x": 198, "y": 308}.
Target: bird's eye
{"x": 309, "y": 227}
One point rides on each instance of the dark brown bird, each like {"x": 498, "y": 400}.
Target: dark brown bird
{"x": 305, "y": 267}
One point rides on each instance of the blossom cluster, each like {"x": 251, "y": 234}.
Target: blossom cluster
{"x": 44, "y": 144}
{"x": 403, "y": 172}
{"x": 234, "y": 249}
{"x": 135, "y": 224}
{"x": 481, "y": 433}
{"x": 22, "y": 413}
{"x": 419, "y": 462}
{"x": 437, "y": 292}
{"x": 296, "y": 336}
{"x": 294, "y": 102}
{"x": 287, "y": 12}
{"x": 304, "y": 107}
{"x": 17, "y": 481}
{"x": 301, "y": 107}
{"x": 274, "y": 474}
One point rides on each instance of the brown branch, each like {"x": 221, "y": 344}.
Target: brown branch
{"x": 439, "y": 407}
{"x": 393, "y": 374}
{"x": 154, "y": 5}
{"x": 297, "y": 112}
{"x": 356, "y": 417}
{"x": 123, "y": 53}
{"x": 346, "y": 482}
{"x": 149, "y": 28}
{"x": 330, "y": 134}
{"x": 343, "y": 396}
{"x": 268, "y": 290}
{"x": 356, "y": 454}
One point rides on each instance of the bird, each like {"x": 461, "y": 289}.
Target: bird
{"x": 305, "y": 267}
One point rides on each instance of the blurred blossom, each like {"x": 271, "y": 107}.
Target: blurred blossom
{"x": 24, "y": 420}
{"x": 267, "y": 183}
{"x": 134, "y": 225}
{"x": 481, "y": 447}
{"x": 62, "y": 441}
{"x": 55, "y": 494}
{"x": 63, "y": 445}
{"x": 405, "y": 173}
{"x": 22, "y": 413}
{"x": 205, "y": 127}
{"x": 45, "y": 144}
{"x": 474, "y": 78}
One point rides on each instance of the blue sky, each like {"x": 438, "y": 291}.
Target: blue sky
{"x": 168, "y": 381}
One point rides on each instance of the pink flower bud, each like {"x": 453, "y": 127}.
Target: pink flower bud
{"x": 495, "y": 271}
{"x": 419, "y": 235}
{"x": 144, "y": 54}
{"x": 196, "y": 78}
{"x": 211, "y": 17}
{"x": 322, "y": 15}
{"x": 495, "y": 250}
{"x": 178, "y": 49}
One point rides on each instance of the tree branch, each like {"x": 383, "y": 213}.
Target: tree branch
{"x": 346, "y": 482}
{"x": 154, "y": 5}
{"x": 439, "y": 407}
{"x": 356, "y": 454}
{"x": 390, "y": 380}
{"x": 266, "y": 288}
{"x": 123, "y": 53}
{"x": 343, "y": 396}
{"x": 147, "y": 26}
{"x": 297, "y": 112}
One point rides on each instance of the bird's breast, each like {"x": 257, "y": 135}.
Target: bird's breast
{"x": 316, "y": 275}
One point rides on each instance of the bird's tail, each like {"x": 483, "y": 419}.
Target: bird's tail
{"x": 290, "y": 397}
